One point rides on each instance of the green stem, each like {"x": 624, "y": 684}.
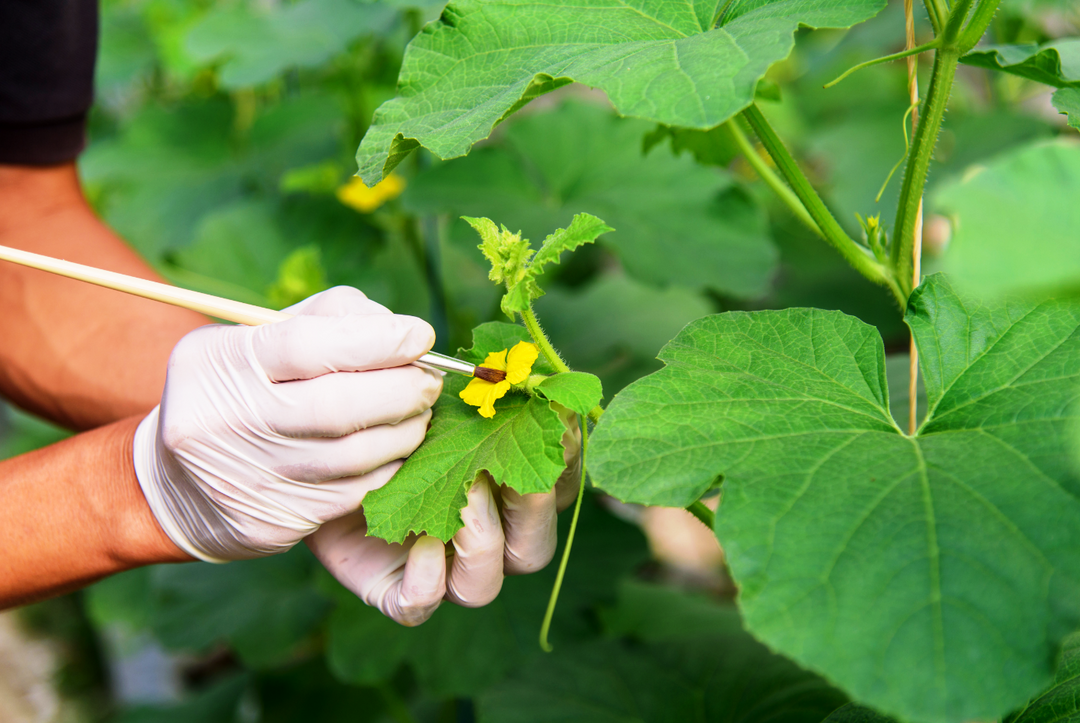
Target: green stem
{"x": 552, "y": 356}
{"x": 955, "y": 22}
{"x": 703, "y": 513}
{"x": 918, "y": 165}
{"x": 937, "y": 12}
{"x": 767, "y": 175}
{"x": 546, "y": 627}
{"x": 980, "y": 21}
{"x": 885, "y": 59}
{"x": 859, "y": 259}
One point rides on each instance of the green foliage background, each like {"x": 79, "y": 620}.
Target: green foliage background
{"x": 220, "y": 136}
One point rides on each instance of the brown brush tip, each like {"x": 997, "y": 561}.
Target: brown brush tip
{"x": 489, "y": 375}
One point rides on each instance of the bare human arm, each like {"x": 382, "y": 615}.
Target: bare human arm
{"x": 87, "y": 359}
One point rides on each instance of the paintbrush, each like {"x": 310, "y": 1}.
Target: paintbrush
{"x": 226, "y": 309}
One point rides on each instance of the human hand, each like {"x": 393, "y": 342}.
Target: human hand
{"x": 504, "y": 533}
{"x": 265, "y": 433}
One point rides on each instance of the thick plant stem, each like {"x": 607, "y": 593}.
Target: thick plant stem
{"x": 830, "y": 229}
{"x": 922, "y": 150}
{"x": 770, "y": 178}
{"x": 702, "y": 512}
{"x": 552, "y": 356}
{"x": 913, "y": 99}
{"x": 546, "y": 627}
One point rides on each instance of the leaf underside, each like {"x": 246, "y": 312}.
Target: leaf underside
{"x": 1067, "y": 101}
{"x": 1056, "y": 63}
{"x": 656, "y": 59}
{"x": 520, "y": 447}
{"x": 932, "y": 577}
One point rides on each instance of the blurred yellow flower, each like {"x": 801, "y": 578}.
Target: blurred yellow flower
{"x": 355, "y": 193}
{"x": 517, "y": 363}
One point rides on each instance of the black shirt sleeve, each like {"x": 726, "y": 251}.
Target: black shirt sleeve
{"x": 47, "y": 53}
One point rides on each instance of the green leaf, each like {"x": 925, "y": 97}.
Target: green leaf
{"x": 254, "y": 47}
{"x": 656, "y": 60}
{"x": 701, "y": 666}
{"x": 300, "y": 275}
{"x": 264, "y": 608}
{"x": 1015, "y": 221}
{"x": 1067, "y": 101}
{"x": 218, "y": 704}
{"x": 675, "y": 222}
{"x": 520, "y": 447}
{"x": 515, "y": 264}
{"x": 854, "y": 713}
{"x": 1060, "y": 703}
{"x": 577, "y": 391}
{"x": 1056, "y": 63}
{"x": 904, "y": 569}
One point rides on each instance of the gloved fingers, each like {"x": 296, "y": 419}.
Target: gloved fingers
{"x": 335, "y": 405}
{"x": 338, "y": 301}
{"x": 306, "y": 347}
{"x": 476, "y": 571}
{"x": 405, "y": 582}
{"x": 530, "y": 525}
{"x": 343, "y": 496}
{"x": 326, "y": 458}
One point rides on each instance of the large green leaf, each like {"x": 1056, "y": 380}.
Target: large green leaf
{"x": 675, "y": 222}
{"x": 1067, "y": 101}
{"x": 264, "y": 608}
{"x": 689, "y": 660}
{"x": 1055, "y": 63}
{"x": 1060, "y": 703}
{"x": 656, "y": 59}
{"x": 1015, "y": 221}
{"x": 255, "y": 45}
{"x": 519, "y": 447}
{"x": 932, "y": 577}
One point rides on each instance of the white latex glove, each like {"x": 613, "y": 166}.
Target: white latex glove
{"x": 264, "y": 433}
{"x": 504, "y": 533}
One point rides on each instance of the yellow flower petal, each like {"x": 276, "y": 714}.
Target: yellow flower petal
{"x": 480, "y": 393}
{"x": 356, "y": 194}
{"x": 496, "y": 360}
{"x": 519, "y": 362}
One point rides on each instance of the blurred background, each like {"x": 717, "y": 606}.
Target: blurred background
{"x": 222, "y": 147}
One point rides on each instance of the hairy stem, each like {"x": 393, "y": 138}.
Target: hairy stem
{"x": 702, "y": 512}
{"x": 552, "y": 356}
{"x": 546, "y": 627}
{"x": 913, "y": 98}
{"x": 937, "y": 11}
{"x": 770, "y": 178}
{"x": 854, "y": 254}
{"x": 922, "y": 150}
{"x": 980, "y": 21}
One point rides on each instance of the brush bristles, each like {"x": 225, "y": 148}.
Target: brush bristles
{"x": 489, "y": 375}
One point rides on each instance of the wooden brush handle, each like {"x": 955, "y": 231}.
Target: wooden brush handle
{"x": 227, "y": 309}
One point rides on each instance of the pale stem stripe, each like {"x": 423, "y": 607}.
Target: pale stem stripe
{"x": 916, "y": 248}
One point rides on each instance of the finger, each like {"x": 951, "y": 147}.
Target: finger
{"x": 476, "y": 572}
{"x": 337, "y": 498}
{"x": 412, "y": 599}
{"x": 327, "y": 458}
{"x": 405, "y": 582}
{"x": 335, "y": 405}
{"x": 530, "y": 526}
{"x": 305, "y": 347}
{"x": 338, "y": 301}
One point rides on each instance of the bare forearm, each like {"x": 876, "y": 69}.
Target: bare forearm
{"x": 73, "y": 513}
{"x": 75, "y": 354}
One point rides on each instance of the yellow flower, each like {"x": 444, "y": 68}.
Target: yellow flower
{"x": 517, "y": 363}
{"x": 355, "y": 194}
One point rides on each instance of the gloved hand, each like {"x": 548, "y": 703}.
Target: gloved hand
{"x": 264, "y": 433}
{"x": 504, "y": 533}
